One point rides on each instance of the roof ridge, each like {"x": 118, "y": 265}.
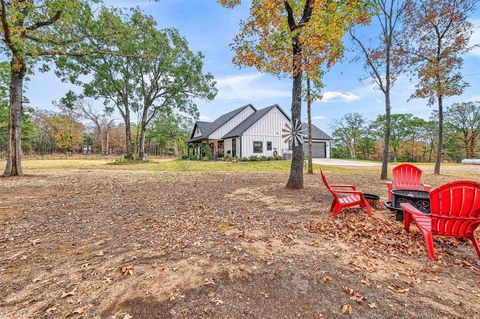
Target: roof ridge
{"x": 256, "y": 116}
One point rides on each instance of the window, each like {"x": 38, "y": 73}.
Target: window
{"x": 257, "y": 147}
{"x": 269, "y": 146}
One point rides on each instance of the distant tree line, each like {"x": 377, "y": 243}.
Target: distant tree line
{"x": 412, "y": 139}
{"x": 83, "y": 129}
{"x": 66, "y": 132}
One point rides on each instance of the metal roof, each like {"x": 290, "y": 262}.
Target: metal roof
{"x": 207, "y": 128}
{"x": 252, "y": 119}
{"x": 318, "y": 134}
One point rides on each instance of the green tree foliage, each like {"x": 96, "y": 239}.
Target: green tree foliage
{"x": 463, "y": 123}
{"x": 401, "y": 126}
{"x": 32, "y": 32}
{"x": 153, "y": 71}
{"x": 170, "y": 132}
{"x": 412, "y": 138}
{"x": 348, "y": 131}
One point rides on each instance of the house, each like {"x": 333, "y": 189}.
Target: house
{"x": 246, "y": 132}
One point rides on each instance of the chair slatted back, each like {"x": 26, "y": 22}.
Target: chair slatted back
{"x": 455, "y": 208}
{"x": 324, "y": 179}
{"x": 407, "y": 176}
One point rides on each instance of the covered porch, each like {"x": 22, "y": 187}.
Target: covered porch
{"x": 196, "y": 148}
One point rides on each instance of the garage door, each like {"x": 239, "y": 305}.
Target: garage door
{"x": 318, "y": 149}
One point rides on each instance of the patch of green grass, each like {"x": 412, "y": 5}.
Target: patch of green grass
{"x": 162, "y": 165}
{"x": 125, "y": 161}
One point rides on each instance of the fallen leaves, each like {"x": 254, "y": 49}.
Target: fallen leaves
{"x": 78, "y": 311}
{"x": 354, "y": 295}
{"x": 95, "y": 237}
{"x": 127, "y": 271}
{"x": 70, "y": 293}
{"x": 346, "y": 310}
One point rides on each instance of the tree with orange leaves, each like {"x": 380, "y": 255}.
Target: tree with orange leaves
{"x": 437, "y": 35}
{"x": 293, "y": 37}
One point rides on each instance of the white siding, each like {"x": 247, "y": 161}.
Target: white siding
{"x": 227, "y": 127}
{"x": 197, "y": 132}
{"x": 266, "y": 129}
{"x": 227, "y": 145}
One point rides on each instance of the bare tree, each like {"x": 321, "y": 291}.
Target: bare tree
{"x": 82, "y": 108}
{"x": 381, "y": 63}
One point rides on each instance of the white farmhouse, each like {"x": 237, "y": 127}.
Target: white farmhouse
{"x": 246, "y": 132}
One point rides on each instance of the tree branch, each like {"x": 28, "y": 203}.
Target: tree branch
{"x": 45, "y": 23}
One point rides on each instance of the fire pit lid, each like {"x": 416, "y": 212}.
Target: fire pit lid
{"x": 411, "y": 193}
{"x": 371, "y": 196}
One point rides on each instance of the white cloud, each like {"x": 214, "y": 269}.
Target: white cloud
{"x": 475, "y": 37}
{"x": 203, "y": 118}
{"x": 318, "y": 117}
{"x": 247, "y": 87}
{"x": 335, "y": 96}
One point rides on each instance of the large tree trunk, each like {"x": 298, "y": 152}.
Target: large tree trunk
{"x": 438, "y": 159}
{"x": 128, "y": 135}
{"x": 107, "y": 141}
{"x": 388, "y": 128}
{"x": 101, "y": 138}
{"x": 14, "y": 142}
{"x": 295, "y": 180}
{"x": 473, "y": 145}
{"x": 141, "y": 136}
{"x": 309, "y": 115}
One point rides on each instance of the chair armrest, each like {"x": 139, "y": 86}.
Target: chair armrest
{"x": 427, "y": 187}
{"x": 409, "y": 208}
{"x": 348, "y": 192}
{"x": 344, "y": 186}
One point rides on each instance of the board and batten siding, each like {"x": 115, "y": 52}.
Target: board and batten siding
{"x": 227, "y": 146}
{"x": 230, "y": 125}
{"x": 266, "y": 129}
{"x": 197, "y": 132}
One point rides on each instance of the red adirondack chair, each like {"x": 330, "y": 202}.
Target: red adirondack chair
{"x": 406, "y": 176}
{"x": 354, "y": 198}
{"x": 455, "y": 212}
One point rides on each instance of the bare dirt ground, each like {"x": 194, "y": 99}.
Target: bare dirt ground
{"x": 147, "y": 244}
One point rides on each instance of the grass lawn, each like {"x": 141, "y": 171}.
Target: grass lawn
{"x": 178, "y": 239}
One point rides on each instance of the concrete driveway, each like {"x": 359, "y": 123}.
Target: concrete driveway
{"x": 341, "y": 162}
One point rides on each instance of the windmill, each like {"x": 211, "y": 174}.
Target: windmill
{"x": 293, "y": 132}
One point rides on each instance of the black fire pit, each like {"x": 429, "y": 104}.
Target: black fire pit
{"x": 419, "y": 199}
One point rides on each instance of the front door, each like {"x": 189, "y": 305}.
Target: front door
{"x": 234, "y": 147}
{"x": 220, "y": 149}
{"x": 212, "y": 149}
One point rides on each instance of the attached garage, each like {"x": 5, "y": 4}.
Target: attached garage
{"x": 321, "y": 143}
{"x": 319, "y": 149}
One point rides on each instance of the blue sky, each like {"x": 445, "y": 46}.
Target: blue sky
{"x": 210, "y": 28}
